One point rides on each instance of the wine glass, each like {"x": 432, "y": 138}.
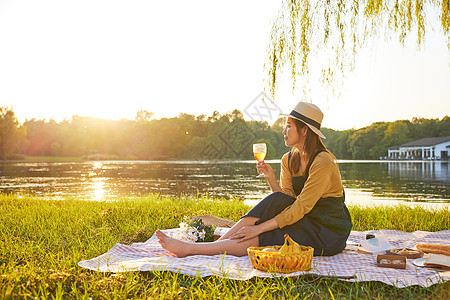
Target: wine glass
{"x": 260, "y": 150}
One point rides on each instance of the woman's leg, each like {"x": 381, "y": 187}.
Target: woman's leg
{"x": 182, "y": 249}
{"x": 245, "y": 221}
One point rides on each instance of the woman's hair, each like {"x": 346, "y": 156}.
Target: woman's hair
{"x": 313, "y": 143}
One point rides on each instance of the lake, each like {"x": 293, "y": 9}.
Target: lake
{"x": 365, "y": 182}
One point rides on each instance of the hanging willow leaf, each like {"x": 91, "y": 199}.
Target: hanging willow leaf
{"x": 338, "y": 29}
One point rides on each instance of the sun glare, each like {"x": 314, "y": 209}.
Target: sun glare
{"x": 97, "y": 165}
{"x": 98, "y": 189}
{"x": 98, "y": 183}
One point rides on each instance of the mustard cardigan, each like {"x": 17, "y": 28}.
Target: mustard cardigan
{"x": 324, "y": 181}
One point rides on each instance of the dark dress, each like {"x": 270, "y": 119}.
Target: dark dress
{"x": 325, "y": 228}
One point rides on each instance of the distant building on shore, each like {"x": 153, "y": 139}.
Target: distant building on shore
{"x": 427, "y": 148}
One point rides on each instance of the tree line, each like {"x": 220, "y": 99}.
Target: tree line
{"x": 226, "y": 136}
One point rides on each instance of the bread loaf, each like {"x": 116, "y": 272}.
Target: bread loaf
{"x": 434, "y": 248}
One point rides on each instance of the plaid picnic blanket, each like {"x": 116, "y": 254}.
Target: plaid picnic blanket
{"x": 350, "y": 265}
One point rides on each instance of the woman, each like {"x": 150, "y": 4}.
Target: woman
{"x": 308, "y": 204}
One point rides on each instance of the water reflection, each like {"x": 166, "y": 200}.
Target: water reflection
{"x": 408, "y": 180}
{"x": 421, "y": 169}
{"x": 378, "y": 180}
{"x": 98, "y": 185}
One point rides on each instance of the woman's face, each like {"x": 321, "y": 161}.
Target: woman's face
{"x": 291, "y": 135}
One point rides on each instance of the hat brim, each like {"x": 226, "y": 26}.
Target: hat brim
{"x": 313, "y": 129}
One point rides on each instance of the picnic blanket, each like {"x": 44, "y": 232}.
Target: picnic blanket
{"x": 350, "y": 265}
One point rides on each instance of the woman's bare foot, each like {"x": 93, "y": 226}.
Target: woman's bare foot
{"x": 177, "y": 247}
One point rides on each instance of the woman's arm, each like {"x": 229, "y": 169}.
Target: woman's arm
{"x": 285, "y": 185}
{"x": 249, "y": 232}
{"x": 266, "y": 171}
{"x": 273, "y": 183}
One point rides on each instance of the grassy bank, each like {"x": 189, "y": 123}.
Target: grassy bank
{"x": 41, "y": 242}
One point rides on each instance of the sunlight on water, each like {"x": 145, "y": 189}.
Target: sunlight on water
{"x": 98, "y": 187}
{"x": 365, "y": 182}
{"x": 97, "y": 165}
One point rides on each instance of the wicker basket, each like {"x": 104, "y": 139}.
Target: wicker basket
{"x": 277, "y": 262}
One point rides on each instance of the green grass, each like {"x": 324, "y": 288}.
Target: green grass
{"x": 41, "y": 242}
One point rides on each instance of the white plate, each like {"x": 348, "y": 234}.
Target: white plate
{"x": 351, "y": 243}
{"x": 419, "y": 262}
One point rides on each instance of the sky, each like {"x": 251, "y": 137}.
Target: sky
{"x": 111, "y": 58}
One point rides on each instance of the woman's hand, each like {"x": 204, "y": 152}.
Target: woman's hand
{"x": 246, "y": 233}
{"x": 265, "y": 169}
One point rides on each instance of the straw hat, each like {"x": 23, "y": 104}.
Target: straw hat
{"x": 309, "y": 114}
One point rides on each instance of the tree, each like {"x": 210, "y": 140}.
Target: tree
{"x": 336, "y": 30}
{"x": 331, "y": 138}
{"x": 422, "y": 128}
{"x": 444, "y": 126}
{"x": 11, "y": 132}
{"x": 397, "y": 133}
{"x": 41, "y": 134}
{"x": 236, "y": 115}
{"x": 144, "y": 116}
{"x": 341, "y": 148}
{"x": 362, "y": 141}
{"x": 214, "y": 117}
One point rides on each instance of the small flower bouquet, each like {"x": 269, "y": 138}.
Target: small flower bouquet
{"x": 194, "y": 230}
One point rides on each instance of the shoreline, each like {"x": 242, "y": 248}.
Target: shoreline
{"x": 108, "y": 158}
{"x": 352, "y": 198}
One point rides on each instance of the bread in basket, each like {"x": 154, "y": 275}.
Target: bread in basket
{"x": 288, "y": 258}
